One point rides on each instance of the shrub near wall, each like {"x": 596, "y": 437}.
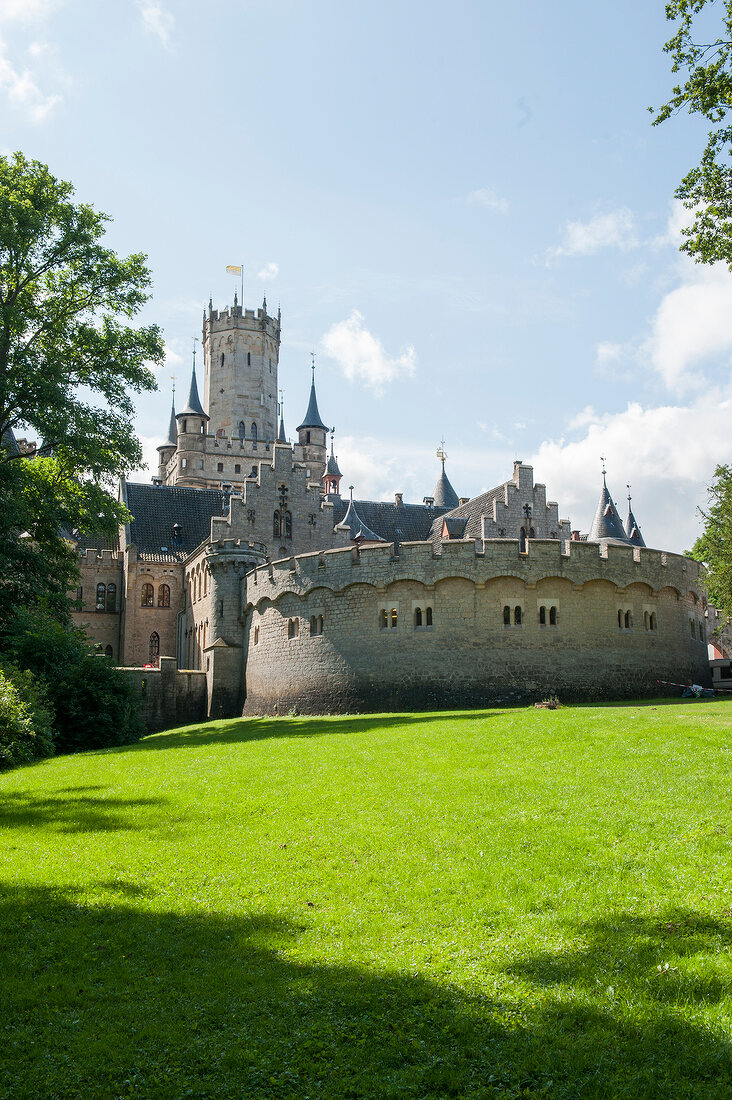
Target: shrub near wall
{"x": 25, "y": 719}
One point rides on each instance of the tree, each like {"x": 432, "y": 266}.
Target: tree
{"x": 69, "y": 365}
{"x": 706, "y": 91}
{"x": 714, "y": 547}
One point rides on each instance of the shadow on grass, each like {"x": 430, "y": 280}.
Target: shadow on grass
{"x": 260, "y": 729}
{"x": 114, "y": 1001}
{"x": 71, "y": 811}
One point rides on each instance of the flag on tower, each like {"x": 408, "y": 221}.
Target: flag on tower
{"x": 233, "y": 269}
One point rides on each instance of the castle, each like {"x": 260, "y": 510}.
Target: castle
{"x": 244, "y": 563}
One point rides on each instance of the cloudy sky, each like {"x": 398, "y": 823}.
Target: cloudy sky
{"x": 463, "y": 209}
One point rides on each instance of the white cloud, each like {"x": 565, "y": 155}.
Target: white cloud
{"x": 361, "y": 356}
{"x": 668, "y": 453}
{"x": 157, "y": 20}
{"x": 615, "y": 229}
{"x": 692, "y": 323}
{"x": 269, "y": 271}
{"x": 486, "y": 196}
{"x": 23, "y": 92}
{"x": 25, "y": 11}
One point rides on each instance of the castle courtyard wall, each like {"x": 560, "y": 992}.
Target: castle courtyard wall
{"x": 468, "y": 656}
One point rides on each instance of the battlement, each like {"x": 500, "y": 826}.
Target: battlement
{"x": 91, "y": 556}
{"x": 479, "y": 561}
{"x": 235, "y": 317}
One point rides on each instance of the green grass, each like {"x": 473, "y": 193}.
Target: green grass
{"x": 510, "y": 903}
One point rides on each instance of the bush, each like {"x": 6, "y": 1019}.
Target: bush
{"x": 25, "y": 719}
{"x": 94, "y": 706}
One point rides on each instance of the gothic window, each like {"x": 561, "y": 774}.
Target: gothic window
{"x": 506, "y": 615}
{"x": 276, "y": 525}
{"x": 148, "y": 596}
{"x": 532, "y": 533}
{"x": 517, "y": 615}
{"x": 692, "y": 628}
{"x": 109, "y": 652}
{"x": 542, "y": 616}
{"x": 628, "y": 620}
{"x": 242, "y": 429}
{"x": 418, "y": 616}
{"x": 383, "y": 619}
{"x": 552, "y": 616}
{"x": 164, "y": 595}
{"x": 620, "y": 619}
{"x": 288, "y": 525}
{"x": 316, "y": 624}
{"x": 646, "y": 620}
{"x": 653, "y": 621}
{"x": 101, "y": 597}
{"x": 254, "y": 431}
{"x": 154, "y": 647}
{"x": 293, "y": 628}
{"x": 111, "y": 597}
{"x": 220, "y": 467}
{"x": 256, "y": 635}
{"x": 393, "y": 618}
{"x": 222, "y": 358}
{"x": 428, "y": 616}
{"x": 522, "y": 540}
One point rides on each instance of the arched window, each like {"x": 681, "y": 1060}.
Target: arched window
{"x": 254, "y": 431}
{"x": 249, "y": 359}
{"x": 109, "y": 652}
{"x": 383, "y": 619}
{"x": 307, "y": 437}
{"x": 628, "y": 620}
{"x": 242, "y": 430}
{"x": 653, "y": 620}
{"x": 320, "y": 624}
{"x": 542, "y": 616}
{"x": 418, "y": 616}
{"x": 532, "y": 533}
{"x": 101, "y": 597}
{"x": 256, "y": 635}
{"x": 517, "y": 615}
{"x": 646, "y": 620}
{"x": 620, "y": 619}
{"x": 393, "y": 618}
{"x": 111, "y": 597}
{"x": 148, "y": 596}
{"x": 428, "y": 616}
{"x": 316, "y": 624}
{"x": 293, "y": 628}
{"x": 154, "y": 647}
{"x": 222, "y": 358}
{"x": 506, "y": 615}
{"x": 552, "y": 616}
{"x": 522, "y": 540}
{"x": 288, "y": 525}
{"x": 276, "y": 525}
{"x": 164, "y": 595}
{"x": 692, "y": 628}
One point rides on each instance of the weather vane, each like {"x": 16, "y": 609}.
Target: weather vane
{"x": 441, "y": 452}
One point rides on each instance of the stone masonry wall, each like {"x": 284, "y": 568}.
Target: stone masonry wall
{"x": 372, "y": 653}
{"x": 168, "y": 698}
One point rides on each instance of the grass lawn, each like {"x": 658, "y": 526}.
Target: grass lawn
{"x": 504, "y": 903}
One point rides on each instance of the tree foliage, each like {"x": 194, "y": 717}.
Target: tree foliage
{"x": 706, "y": 61}
{"x": 70, "y": 364}
{"x": 714, "y": 547}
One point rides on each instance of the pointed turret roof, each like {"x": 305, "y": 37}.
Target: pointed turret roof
{"x": 172, "y": 439}
{"x": 194, "y": 407}
{"x": 281, "y": 437}
{"x": 443, "y": 493}
{"x": 632, "y": 530}
{"x": 312, "y": 416}
{"x": 332, "y": 467}
{"x": 606, "y": 526}
{"x": 358, "y": 529}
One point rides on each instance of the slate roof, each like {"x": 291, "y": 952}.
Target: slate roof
{"x": 455, "y": 526}
{"x": 358, "y": 529}
{"x": 632, "y": 530}
{"x": 412, "y": 521}
{"x": 443, "y": 494}
{"x": 332, "y": 467}
{"x": 281, "y": 437}
{"x": 155, "y": 508}
{"x": 607, "y": 526}
{"x": 479, "y": 506}
{"x": 312, "y": 416}
{"x": 93, "y": 542}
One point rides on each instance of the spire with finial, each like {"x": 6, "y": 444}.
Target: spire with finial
{"x": 172, "y": 438}
{"x": 264, "y": 305}
{"x": 632, "y": 530}
{"x": 282, "y": 438}
{"x": 606, "y": 526}
{"x": 443, "y": 493}
{"x": 194, "y": 407}
{"x": 332, "y": 476}
{"x": 312, "y": 416}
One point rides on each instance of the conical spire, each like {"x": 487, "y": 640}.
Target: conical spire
{"x": 606, "y": 526}
{"x": 444, "y": 495}
{"x": 358, "y": 530}
{"x": 632, "y": 530}
{"x": 281, "y": 437}
{"x": 172, "y": 438}
{"x": 194, "y": 407}
{"x": 312, "y": 416}
{"x": 332, "y": 468}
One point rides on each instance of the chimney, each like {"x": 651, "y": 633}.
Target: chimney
{"x": 399, "y": 499}
{"x": 575, "y": 536}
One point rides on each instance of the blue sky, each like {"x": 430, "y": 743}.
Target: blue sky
{"x": 463, "y": 209}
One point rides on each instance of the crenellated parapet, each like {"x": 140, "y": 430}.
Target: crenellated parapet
{"x": 477, "y": 561}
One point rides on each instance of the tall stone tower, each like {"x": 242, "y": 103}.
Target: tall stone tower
{"x": 241, "y": 351}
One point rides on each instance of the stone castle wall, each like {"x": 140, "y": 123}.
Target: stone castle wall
{"x": 167, "y": 697}
{"x": 623, "y": 618}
